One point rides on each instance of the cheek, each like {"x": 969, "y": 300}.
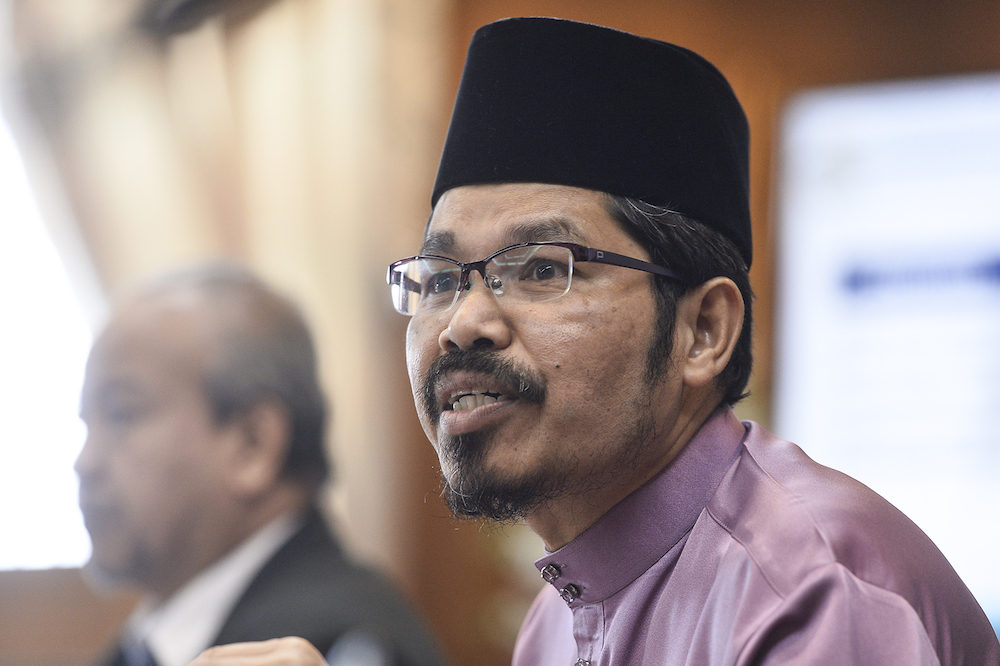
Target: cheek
{"x": 173, "y": 478}
{"x": 421, "y": 350}
{"x": 595, "y": 362}
{"x": 148, "y": 481}
{"x": 167, "y": 457}
{"x": 593, "y": 338}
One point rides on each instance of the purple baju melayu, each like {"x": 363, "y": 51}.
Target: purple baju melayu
{"x": 745, "y": 551}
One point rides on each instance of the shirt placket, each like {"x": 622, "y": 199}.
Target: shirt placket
{"x": 588, "y": 618}
{"x": 588, "y": 630}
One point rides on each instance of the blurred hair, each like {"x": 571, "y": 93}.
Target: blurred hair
{"x": 698, "y": 254}
{"x": 263, "y": 351}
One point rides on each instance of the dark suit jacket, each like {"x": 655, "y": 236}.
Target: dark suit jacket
{"x": 310, "y": 589}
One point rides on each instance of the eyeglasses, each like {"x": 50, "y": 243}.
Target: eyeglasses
{"x": 528, "y": 272}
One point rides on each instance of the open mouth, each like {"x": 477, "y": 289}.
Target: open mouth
{"x": 464, "y": 401}
{"x": 465, "y": 387}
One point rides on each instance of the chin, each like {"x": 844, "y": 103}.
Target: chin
{"x": 101, "y": 578}
{"x": 485, "y": 492}
{"x": 108, "y": 576}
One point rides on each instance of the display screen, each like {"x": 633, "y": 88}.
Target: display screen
{"x": 888, "y": 317}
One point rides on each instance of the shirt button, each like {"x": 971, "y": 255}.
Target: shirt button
{"x": 569, "y": 593}
{"x": 550, "y": 572}
{"x": 582, "y": 662}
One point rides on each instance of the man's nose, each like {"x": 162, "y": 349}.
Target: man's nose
{"x": 476, "y": 320}
{"x": 89, "y": 462}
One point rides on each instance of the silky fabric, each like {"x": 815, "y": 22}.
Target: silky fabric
{"x": 745, "y": 551}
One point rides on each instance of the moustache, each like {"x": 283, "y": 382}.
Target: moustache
{"x": 518, "y": 381}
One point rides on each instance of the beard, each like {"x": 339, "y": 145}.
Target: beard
{"x": 474, "y": 490}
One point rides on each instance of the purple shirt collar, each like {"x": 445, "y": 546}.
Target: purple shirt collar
{"x": 640, "y": 529}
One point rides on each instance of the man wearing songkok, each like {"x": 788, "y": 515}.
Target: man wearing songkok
{"x": 199, "y": 481}
{"x": 586, "y": 386}
{"x": 580, "y": 329}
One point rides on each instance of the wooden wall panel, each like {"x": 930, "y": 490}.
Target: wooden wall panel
{"x": 51, "y": 618}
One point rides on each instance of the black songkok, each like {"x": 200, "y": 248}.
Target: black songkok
{"x": 554, "y": 101}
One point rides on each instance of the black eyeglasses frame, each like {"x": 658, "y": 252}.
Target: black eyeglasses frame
{"x": 581, "y": 253}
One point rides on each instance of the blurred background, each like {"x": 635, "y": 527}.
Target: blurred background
{"x": 302, "y": 137}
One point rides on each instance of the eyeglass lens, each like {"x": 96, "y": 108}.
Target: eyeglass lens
{"x": 531, "y": 273}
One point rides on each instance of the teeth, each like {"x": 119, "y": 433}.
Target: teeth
{"x": 471, "y": 401}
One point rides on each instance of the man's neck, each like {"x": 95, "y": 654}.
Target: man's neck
{"x": 232, "y": 529}
{"x": 561, "y": 520}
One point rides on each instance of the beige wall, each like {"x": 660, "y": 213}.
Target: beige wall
{"x": 304, "y": 141}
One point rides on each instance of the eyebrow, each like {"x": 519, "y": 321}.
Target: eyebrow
{"x": 91, "y": 396}
{"x": 532, "y": 231}
{"x": 441, "y": 244}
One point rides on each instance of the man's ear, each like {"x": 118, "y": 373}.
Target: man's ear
{"x": 263, "y": 435}
{"x": 709, "y": 321}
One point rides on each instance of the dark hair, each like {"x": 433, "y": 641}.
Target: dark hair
{"x": 263, "y": 350}
{"x": 698, "y": 254}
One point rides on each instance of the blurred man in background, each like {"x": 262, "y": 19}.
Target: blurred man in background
{"x": 200, "y": 475}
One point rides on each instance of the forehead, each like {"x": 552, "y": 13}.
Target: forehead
{"x": 477, "y": 219}
{"x": 158, "y": 341}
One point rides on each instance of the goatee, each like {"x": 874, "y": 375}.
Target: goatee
{"x": 474, "y": 491}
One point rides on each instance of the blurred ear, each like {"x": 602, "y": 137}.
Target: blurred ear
{"x": 260, "y": 447}
{"x": 709, "y": 321}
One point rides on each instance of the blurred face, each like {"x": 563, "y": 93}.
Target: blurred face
{"x": 151, "y": 467}
{"x": 532, "y": 403}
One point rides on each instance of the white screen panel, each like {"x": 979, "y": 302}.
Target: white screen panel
{"x": 888, "y": 353}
